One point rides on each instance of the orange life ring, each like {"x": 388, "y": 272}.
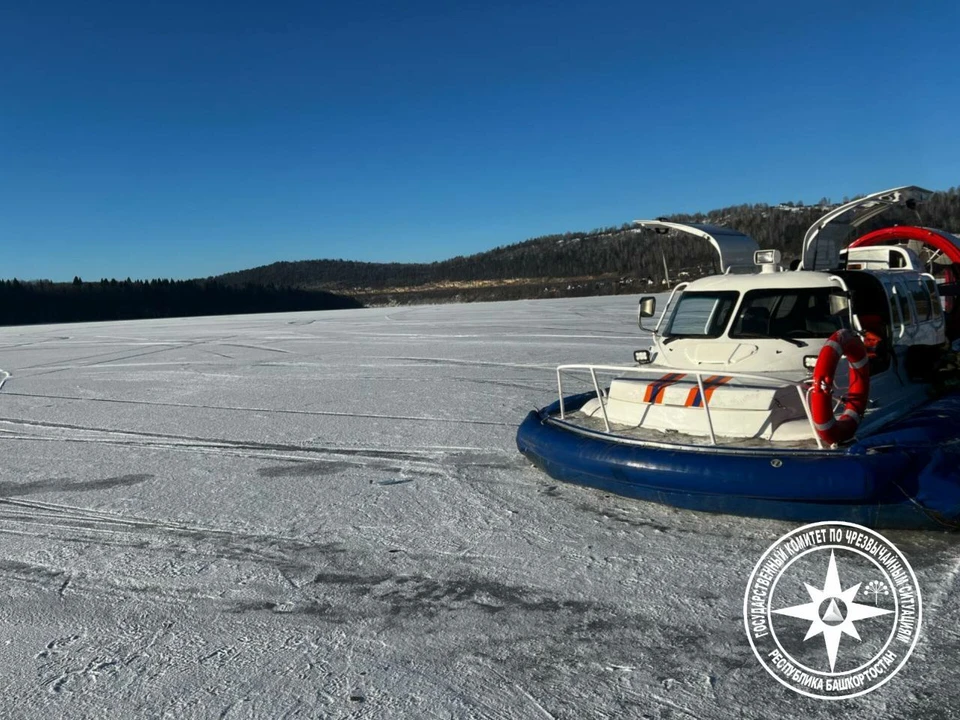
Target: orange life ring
{"x": 834, "y": 430}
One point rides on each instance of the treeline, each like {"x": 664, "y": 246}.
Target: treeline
{"x": 27, "y": 303}
{"x": 600, "y": 252}
{"x": 525, "y": 290}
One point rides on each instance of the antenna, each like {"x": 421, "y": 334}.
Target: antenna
{"x": 663, "y": 255}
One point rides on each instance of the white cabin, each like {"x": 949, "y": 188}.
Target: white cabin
{"x": 731, "y": 353}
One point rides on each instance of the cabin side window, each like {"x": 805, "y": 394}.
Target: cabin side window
{"x": 921, "y": 299}
{"x": 935, "y": 307}
{"x": 903, "y": 304}
{"x": 701, "y": 314}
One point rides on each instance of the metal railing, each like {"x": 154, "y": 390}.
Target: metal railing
{"x": 801, "y": 388}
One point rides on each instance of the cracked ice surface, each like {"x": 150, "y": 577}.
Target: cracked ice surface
{"x": 325, "y": 515}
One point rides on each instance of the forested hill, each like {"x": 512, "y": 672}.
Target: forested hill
{"x": 599, "y": 261}
{"x": 42, "y": 301}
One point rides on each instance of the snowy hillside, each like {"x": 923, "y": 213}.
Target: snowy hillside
{"x": 325, "y": 515}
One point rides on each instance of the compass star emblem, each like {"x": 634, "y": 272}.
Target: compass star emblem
{"x": 832, "y": 611}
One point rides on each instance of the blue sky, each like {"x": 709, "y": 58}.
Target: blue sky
{"x": 185, "y": 139}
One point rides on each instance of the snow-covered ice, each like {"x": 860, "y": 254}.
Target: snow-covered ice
{"x": 325, "y": 515}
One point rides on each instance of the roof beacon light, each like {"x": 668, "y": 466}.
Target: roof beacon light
{"x": 768, "y": 260}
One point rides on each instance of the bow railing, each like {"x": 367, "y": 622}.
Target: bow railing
{"x": 765, "y": 380}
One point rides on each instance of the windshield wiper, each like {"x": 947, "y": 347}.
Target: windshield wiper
{"x": 754, "y": 336}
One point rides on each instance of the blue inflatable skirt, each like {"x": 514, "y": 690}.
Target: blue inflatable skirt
{"x": 905, "y": 476}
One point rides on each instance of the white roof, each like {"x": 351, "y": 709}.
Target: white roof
{"x": 762, "y": 281}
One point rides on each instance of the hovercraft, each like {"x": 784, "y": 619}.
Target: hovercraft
{"x": 810, "y": 394}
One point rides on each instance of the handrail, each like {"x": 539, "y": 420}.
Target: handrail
{"x": 854, "y": 320}
{"x": 802, "y": 389}
{"x": 663, "y": 315}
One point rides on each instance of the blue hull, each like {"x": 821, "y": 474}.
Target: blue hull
{"x": 907, "y": 476}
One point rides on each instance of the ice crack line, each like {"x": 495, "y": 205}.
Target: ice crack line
{"x": 3, "y": 377}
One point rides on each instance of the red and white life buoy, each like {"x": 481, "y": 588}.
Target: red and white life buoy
{"x": 832, "y": 429}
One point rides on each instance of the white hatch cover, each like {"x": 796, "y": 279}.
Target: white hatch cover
{"x": 828, "y": 235}
{"x": 734, "y": 248}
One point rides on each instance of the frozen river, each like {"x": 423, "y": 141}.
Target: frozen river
{"x": 325, "y": 515}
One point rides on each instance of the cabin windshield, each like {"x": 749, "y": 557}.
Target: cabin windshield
{"x": 701, "y": 315}
{"x": 794, "y": 313}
